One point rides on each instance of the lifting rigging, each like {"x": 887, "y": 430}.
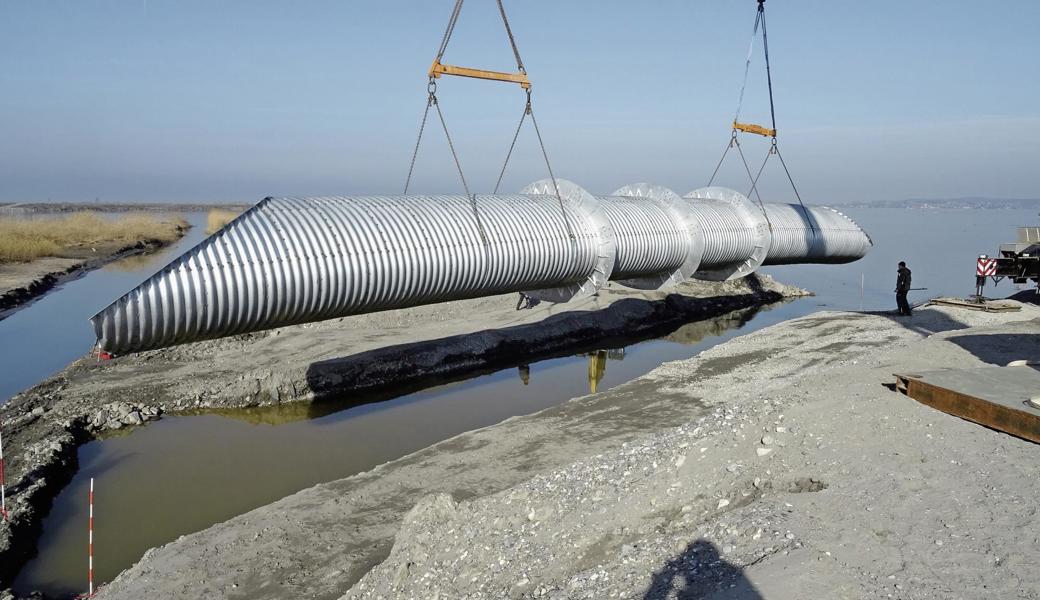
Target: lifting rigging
{"x": 770, "y": 132}
{"x": 298, "y": 260}
{"x": 438, "y": 69}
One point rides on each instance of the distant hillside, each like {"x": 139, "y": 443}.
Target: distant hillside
{"x": 955, "y": 203}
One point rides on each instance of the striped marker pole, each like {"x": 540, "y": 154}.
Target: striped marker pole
{"x": 90, "y": 547}
{"x": 3, "y": 489}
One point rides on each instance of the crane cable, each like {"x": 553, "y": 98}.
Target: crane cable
{"x": 432, "y": 101}
{"x": 774, "y": 148}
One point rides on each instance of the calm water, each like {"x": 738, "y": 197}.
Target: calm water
{"x": 185, "y": 473}
{"x": 41, "y": 339}
{"x": 939, "y": 246}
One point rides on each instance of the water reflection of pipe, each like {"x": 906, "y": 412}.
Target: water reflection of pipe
{"x": 525, "y": 373}
{"x": 693, "y": 333}
{"x": 597, "y": 369}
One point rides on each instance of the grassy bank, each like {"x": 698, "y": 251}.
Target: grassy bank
{"x": 218, "y": 218}
{"x": 23, "y": 240}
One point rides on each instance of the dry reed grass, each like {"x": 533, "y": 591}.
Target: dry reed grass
{"x": 218, "y": 218}
{"x": 26, "y": 239}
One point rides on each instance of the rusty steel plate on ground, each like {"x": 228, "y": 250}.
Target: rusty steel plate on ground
{"x": 997, "y": 397}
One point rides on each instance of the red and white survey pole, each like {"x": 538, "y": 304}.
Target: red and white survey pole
{"x": 3, "y": 489}
{"x": 90, "y": 546}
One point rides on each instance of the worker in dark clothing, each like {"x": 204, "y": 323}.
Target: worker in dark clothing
{"x": 902, "y": 287}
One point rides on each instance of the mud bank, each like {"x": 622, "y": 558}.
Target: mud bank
{"x": 44, "y": 426}
{"x": 776, "y": 465}
{"x": 22, "y": 283}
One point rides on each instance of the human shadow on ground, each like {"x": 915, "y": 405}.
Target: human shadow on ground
{"x": 700, "y": 572}
{"x": 924, "y": 322}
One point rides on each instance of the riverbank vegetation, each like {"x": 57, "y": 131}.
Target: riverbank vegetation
{"x": 218, "y": 218}
{"x": 23, "y": 240}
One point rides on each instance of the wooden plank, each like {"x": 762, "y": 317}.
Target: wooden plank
{"x": 987, "y": 306}
{"x": 1002, "y": 415}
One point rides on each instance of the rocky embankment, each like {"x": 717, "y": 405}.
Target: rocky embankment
{"x": 777, "y": 465}
{"x": 44, "y": 426}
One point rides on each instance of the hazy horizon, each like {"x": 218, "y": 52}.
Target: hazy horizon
{"x": 231, "y": 102}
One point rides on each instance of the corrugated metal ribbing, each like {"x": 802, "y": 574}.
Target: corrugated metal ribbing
{"x": 831, "y": 238}
{"x": 649, "y": 240}
{"x": 727, "y": 238}
{"x": 297, "y": 260}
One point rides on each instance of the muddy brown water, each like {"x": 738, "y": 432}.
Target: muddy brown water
{"x": 183, "y": 474}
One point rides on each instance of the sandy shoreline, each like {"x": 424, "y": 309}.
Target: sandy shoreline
{"x": 775, "y": 465}
{"x": 418, "y": 346}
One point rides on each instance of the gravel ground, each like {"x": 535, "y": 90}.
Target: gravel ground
{"x": 815, "y": 482}
{"x": 776, "y": 465}
{"x": 44, "y": 426}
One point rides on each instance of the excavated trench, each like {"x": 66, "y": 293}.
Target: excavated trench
{"x": 368, "y": 409}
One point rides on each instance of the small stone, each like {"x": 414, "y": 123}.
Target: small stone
{"x": 763, "y": 451}
{"x": 401, "y": 574}
{"x": 779, "y": 429}
{"x": 789, "y": 535}
{"x": 723, "y": 503}
{"x": 938, "y": 542}
{"x": 733, "y": 468}
{"x": 767, "y": 440}
{"x": 38, "y": 411}
{"x": 680, "y": 461}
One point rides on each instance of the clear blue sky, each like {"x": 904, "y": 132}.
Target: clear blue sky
{"x": 186, "y": 100}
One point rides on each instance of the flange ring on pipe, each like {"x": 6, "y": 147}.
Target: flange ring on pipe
{"x": 684, "y": 218}
{"x": 755, "y": 221}
{"x": 590, "y": 208}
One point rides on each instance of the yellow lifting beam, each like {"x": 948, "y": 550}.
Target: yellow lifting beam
{"x": 752, "y": 128}
{"x": 438, "y": 69}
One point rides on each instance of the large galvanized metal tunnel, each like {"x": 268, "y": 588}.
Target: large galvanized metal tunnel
{"x": 296, "y": 260}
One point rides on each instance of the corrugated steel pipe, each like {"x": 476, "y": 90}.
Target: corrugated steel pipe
{"x": 297, "y": 260}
